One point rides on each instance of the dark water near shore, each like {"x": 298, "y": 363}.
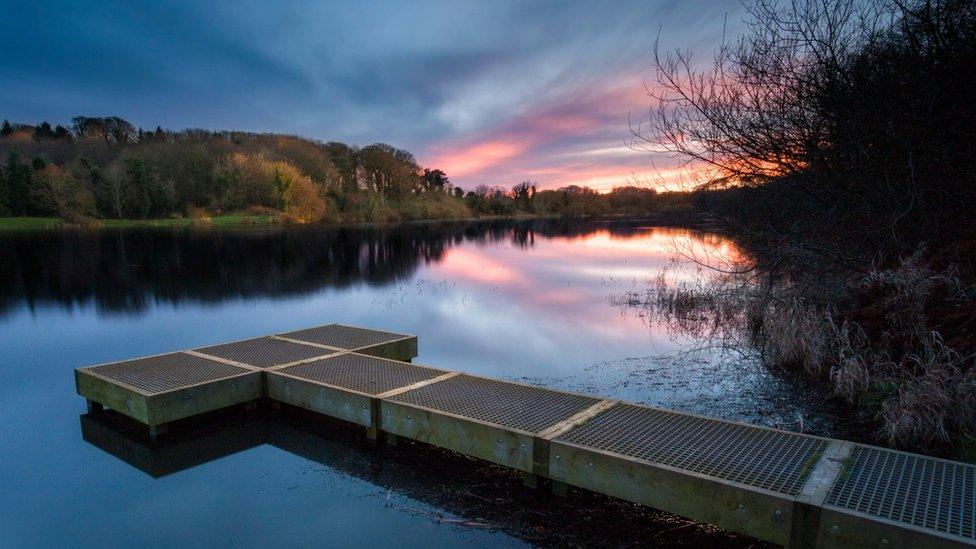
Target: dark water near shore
{"x": 529, "y": 301}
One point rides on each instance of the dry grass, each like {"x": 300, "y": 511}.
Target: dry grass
{"x": 705, "y": 310}
{"x": 853, "y": 366}
{"x": 794, "y": 335}
{"x": 933, "y": 399}
{"x": 923, "y": 390}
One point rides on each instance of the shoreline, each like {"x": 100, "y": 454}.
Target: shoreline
{"x": 17, "y": 224}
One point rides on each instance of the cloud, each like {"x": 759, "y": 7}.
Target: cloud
{"x": 494, "y": 92}
{"x": 582, "y": 140}
{"x": 477, "y": 158}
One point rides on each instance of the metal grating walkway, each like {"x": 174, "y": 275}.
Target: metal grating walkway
{"x": 530, "y": 409}
{"x": 162, "y": 373}
{"x": 782, "y": 487}
{"x": 264, "y": 352}
{"x": 908, "y": 488}
{"x": 344, "y": 337}
{"x": 361, "y": 373}
{"x": 764, "y": 458}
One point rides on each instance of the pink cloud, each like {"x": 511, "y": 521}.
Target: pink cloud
{"x": 578, "y": 141}
{"x": 474, "y": 159}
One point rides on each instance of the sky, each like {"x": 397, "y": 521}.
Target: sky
{"x": 492, "y": 92}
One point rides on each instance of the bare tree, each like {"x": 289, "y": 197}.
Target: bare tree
{"x": 863, "y": 107}
{"x": 115, "y": 188}
{"x": 759, "y": 111}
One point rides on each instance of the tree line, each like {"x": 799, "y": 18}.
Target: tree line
{"x": 105, "y": 167}
{"x": 575, "y": 200}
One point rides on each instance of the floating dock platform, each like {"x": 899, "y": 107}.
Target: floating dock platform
{"x": 787, "y": 488}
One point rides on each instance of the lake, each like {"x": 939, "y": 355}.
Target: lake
{"x": 531, "y": 301}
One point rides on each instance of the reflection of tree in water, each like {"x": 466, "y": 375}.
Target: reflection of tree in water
{"x": 125, "y": 270}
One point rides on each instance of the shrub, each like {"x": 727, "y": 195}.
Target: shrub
{"x": 61, "y": 193}
{"x": 303, "y": 203}
{"x": 198, "y": 216}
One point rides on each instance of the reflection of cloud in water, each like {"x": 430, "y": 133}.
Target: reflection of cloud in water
{"x": 471, "y": 265}
{"x": 129, "y": 271}
{"x": 511, "y": 312}
{"x": 510, "y": 299}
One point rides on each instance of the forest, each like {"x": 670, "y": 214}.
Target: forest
{"x": 105, "y": 168}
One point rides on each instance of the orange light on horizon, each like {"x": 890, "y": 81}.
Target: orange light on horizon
{"x": 580, "y": 139}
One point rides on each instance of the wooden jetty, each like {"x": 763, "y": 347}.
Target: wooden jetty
{"x": 786, "y": 488}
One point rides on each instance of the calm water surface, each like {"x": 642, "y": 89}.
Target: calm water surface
{"x": 528, "y": 301}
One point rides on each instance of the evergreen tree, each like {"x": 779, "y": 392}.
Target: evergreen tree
{"x": 17, "y": 176}
{"x": 142, "y": 196}
{"x": 6, "y": 129}
{"x": 44, "y": 131}
{"x": 60, "y": 132}
{"x": 435, "y": 180}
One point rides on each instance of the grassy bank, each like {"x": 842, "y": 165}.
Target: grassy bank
{"x": 28, "y": 223}
{"x": 39, "y": 223}
{"x": 34, "y": 223}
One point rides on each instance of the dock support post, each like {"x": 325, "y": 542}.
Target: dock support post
{"x": 805, "y": 524}
{"x": 373, "y": 437}
{"x": 374, "y": 433}
{"x": 94, "y": 407}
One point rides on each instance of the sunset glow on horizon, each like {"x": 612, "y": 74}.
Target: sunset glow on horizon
{"x": 582, "y": 140}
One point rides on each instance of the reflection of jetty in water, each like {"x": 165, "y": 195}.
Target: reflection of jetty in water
{"x": 126, "y": 270}
{"x": 465, "y": 493}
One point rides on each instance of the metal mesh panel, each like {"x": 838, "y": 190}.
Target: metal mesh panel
{"x": 159, "y": 374}
{"x": 511, "y": 405}
{"x": 917, "y": 490}
{"x": 343, "y": 337}
{"x": 264, "y": 352}
{"x": 763, "y": 458}
{"x": 362, "y": 373}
